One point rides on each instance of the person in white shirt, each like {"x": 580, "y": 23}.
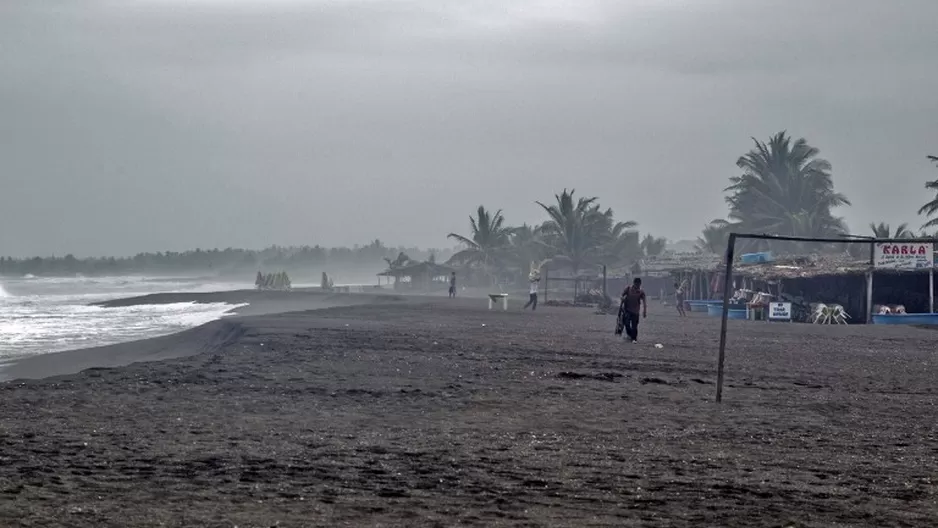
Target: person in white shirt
{"x": 532, "y": 301}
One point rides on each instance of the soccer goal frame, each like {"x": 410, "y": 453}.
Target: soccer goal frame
{"x": 845, "y": 239}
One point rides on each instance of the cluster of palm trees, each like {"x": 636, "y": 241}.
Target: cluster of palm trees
{"x": 786, "y": 189}
{"x": 578, "y": 235}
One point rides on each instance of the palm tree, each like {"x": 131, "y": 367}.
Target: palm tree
{"x": 624, "y": 244}
{"x": 488, "y": 237}
{"x": 785, "y": 189}
{"x": 399, "y": 262}
{"x": 653, "y": 246}
{"x": 883, "y": 230}
{"x": 579, "y": 232}
{"x": 713, "y": 238}
{"x": 930, "y": 208}
{"x": 523, "y": 248}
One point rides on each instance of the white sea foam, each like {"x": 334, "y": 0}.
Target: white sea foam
{"x": 39, "y": 316}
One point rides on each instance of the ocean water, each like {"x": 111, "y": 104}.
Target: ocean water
{"x": 43, "y": 315}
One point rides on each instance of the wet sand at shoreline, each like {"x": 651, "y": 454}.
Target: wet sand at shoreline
{"x": 441, "y": 413}
{"x": 206, "y": 338}
{"x": 265, "y": 302}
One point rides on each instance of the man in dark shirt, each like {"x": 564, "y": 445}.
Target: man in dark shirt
{"x": 633, "y": 300}
{"x": 452, "y": 285}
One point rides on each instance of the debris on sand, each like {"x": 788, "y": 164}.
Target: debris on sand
{"x": 653, "y": 381}
{"x": 601, "y": 376}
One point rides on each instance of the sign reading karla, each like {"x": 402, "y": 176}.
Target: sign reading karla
{"x": 780, "y": 311}
{"x": 906, "y": 255}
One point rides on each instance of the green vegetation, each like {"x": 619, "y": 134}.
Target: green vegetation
{"x": 235, "y": 262}
{"x": 930, "y": 208}
{"x": 577, "y": 236}
{"x": 524, "y": 247}
{"x": 487, "y": 238}
{"x": 653, "y": 246}
{"x": 580, "y": 234}
{"x": 714, "y": 237}
{"x": 785, "y": 189}
{"x": 884, "y": 230}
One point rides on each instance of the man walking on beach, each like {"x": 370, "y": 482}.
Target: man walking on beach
{"x": 532, "y": 300}
{"x": 452, "y": 285}
{"x": 633, "y": 299}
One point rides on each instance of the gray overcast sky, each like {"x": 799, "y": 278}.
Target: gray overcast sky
{"x": 135, "y": 125}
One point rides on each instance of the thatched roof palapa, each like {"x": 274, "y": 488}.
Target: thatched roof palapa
{"x": 671, "y": 262}
{"x": 802, "y": 267}
{"x": 782, "y": 267}
{"x": 809, "y": 267}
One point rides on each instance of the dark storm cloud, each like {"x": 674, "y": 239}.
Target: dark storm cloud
{"x": 145, "y": 125}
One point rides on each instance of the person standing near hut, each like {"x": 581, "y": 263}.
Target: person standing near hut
{"x": 633, "y": 304}
{"x": 679, "y": 298}
{"x": 452, "y": 285}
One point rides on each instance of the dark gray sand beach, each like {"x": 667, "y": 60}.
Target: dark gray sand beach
{"x": 440, "y": 413}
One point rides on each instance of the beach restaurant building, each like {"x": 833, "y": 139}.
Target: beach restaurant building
{"x": 896, "y": 278}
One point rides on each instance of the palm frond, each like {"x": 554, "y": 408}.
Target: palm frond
{"x": 466, "y": 256}
{"x": 784, "y": 188}
{"x": 463, "y": 240}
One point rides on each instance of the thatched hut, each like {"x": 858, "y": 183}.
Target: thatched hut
{"x": 422, "y": 276}
{"x": 701, "y": 272}
{"x": 829, "y": 279}
{"x": 841, "y": 280}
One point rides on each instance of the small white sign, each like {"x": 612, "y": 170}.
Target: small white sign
{"x": 904, "y": 256}
{"x": 780, "y": 311}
